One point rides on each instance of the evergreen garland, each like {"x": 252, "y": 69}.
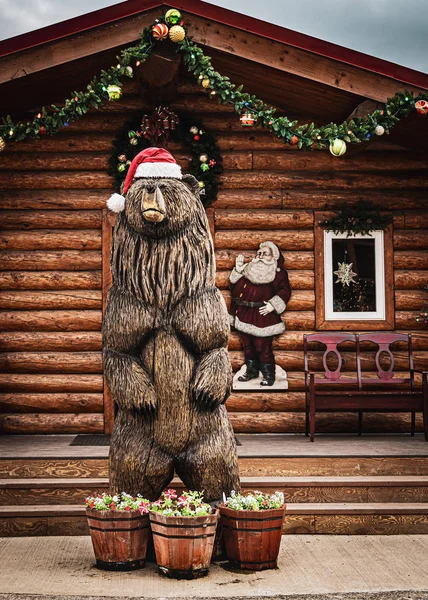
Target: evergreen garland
{"x": 307, "y": 137}
{"x": 361, "y": 218}
{"x": 205, "y": 144}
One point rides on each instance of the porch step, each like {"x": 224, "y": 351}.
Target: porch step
{"x": 301, "y": 518}
{"x": 254, "y": 466}
{"x": 316, "y": 489}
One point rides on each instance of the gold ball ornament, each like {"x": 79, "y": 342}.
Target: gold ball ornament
{"x": 177, "y": 33}
{"x": 172, "y": 16}
{"x": 203, "y": 158}
{"x": 205, "y": 83}
{"x": 194, "y": 130}
{"x": 2, "y": 144}
{"x": 379, "y": 130}
{"x": 114, "y": 92}
{"x": 160, "y": 31}
{"x": 338, "y": 147}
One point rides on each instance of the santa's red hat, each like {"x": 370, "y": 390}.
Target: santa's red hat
{"x": 151, "y": 162}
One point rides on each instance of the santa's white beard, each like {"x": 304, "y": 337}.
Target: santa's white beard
{"x": 260, "y": 271}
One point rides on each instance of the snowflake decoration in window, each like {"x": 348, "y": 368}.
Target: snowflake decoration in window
{"x": 345, "y": 274}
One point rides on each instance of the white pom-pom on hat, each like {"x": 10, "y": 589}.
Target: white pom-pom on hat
{"x": 116, "y": 203}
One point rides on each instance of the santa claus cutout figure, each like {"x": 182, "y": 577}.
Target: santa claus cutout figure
{"x": 260, "y": 292}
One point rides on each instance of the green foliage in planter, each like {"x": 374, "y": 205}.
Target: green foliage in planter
{"x": 189, "y": 504}
{"x": 254, "y": 501}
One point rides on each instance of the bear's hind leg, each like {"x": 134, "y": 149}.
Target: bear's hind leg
{"x": 136, "y": 464}
{"x": 210, "y": 463}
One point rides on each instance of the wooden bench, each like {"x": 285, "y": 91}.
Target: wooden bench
{"x": 340, "y": 390}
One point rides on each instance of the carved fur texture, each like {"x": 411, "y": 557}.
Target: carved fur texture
{"x": 165, "y": 333}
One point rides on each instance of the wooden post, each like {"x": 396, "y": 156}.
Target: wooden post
{"x": 211, "y": 221}
{"x": 108, "y": 223}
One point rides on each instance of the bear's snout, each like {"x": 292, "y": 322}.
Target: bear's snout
{"x": 153, "y": 204}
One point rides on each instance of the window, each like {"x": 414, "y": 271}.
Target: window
{"x": 353, "y": 280}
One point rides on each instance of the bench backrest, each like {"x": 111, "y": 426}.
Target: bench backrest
{"x": 331, "y": 341}
{"x": 384, "y": 340}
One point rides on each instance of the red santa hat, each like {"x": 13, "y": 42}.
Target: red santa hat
{"x": 151, "y": 162}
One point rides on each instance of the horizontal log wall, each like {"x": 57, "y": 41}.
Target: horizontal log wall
{"x": 51, "y": 261}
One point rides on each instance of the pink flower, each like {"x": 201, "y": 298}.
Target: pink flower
{"x": 127, "y": 508}
{"x": 170, "y": 494}
{"x": 157, "y": 503}
{"x": 182, "y": 501}
{"x": 112, "y": 506}
{"x": 265, "y": 502}
{"x": 143, "y": 509}
{"x": 92, "y": 504}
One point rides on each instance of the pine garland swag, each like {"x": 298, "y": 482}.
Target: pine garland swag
{"x": 108, "y": 86}
{"x": 205, "y": 144}
{"x": 360, "y": 218}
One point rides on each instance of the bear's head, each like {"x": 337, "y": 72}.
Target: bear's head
{"x": 160, "y": 207}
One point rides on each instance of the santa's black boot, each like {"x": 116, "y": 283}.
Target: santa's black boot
{"x": 268, "y": 372}
{"x": 252, "y": 370}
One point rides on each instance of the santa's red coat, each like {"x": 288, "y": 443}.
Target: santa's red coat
{"x": 248, "y": 319}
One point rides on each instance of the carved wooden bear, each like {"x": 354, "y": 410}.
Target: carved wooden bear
{"x": 165, "y": 334}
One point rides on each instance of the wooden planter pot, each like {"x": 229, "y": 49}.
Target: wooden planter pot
{"x": 119, "y": 538}
{"x": 183, "y": 545}
{"x": 252, "y": 538}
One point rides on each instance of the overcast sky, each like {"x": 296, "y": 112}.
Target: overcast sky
{"x": 396, "y": 30}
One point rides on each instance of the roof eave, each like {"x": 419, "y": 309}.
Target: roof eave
{"x": 221, "y": 15}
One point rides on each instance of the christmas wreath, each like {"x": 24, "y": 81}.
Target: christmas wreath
{"x": 143, "y": 131}
{"x": 361, "y": 218}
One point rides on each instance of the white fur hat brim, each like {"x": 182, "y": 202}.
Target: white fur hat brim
{"x": 158, "y": 169}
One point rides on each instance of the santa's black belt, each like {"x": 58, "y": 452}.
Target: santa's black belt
{"x": 249, "y": 304}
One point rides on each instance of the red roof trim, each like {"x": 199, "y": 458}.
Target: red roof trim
{"x": 220, "y": 15}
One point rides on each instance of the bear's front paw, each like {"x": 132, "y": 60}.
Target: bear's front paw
{"x": 212, "y": 381}
{"x": 145, "y": 403}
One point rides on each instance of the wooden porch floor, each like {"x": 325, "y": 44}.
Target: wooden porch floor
{"x": 252, "y": 446}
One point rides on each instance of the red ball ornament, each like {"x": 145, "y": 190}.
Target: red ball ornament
{"x": 160, "y": 31}
{"x": 422, "y": 107}
{"x": 42, "y": 130}
{"x": 76, "y": 99}
{"x": 294, "y": 140}
{"x": 196, "y": 138}
{"x": 247, "y": 119}
{"x": 212, "y": 163}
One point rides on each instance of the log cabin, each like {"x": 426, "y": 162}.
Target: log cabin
{"x": 55, "y": 238}
{"x": 56, "y": 230}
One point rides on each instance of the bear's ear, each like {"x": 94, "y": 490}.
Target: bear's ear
{"x": 192, "y": 183}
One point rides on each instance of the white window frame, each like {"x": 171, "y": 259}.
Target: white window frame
{"x": 380, "y": 312}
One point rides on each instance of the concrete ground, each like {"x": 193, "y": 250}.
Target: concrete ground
{"x": 310, "y": 568}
